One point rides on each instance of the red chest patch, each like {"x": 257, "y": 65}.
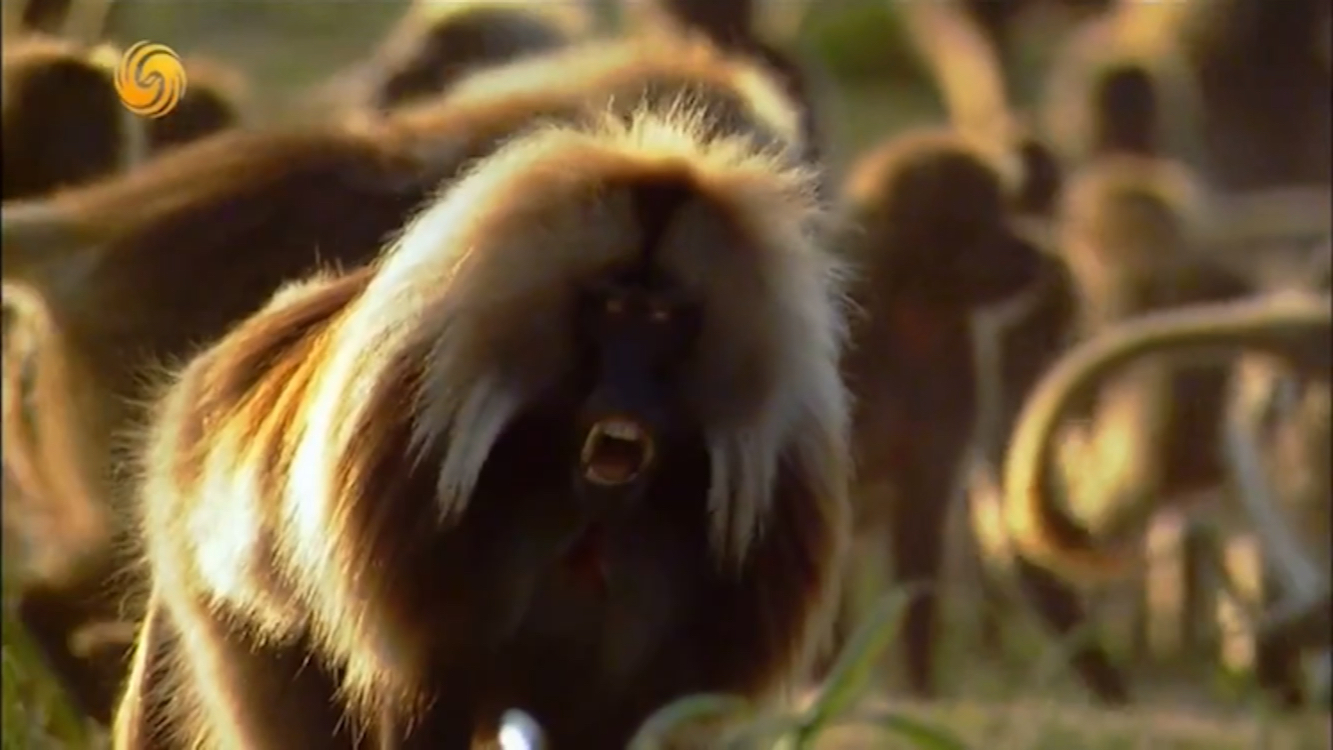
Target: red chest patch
{"x": 918, "y": 331}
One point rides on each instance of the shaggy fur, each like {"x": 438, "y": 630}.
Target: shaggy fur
{"x": 321, "y": 480}
{"x": 138, "y": 273}
{"x": 660, "y": 68}
{"x": 731, "y": 24}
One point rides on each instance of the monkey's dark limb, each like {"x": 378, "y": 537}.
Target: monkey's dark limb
{"x": 52, "y": 614}
{"x": 1062, "y": 611}
{"x": 1277, "y": 654}
{"x": 1026, "y": 347}
{"x": 918, "y": 557}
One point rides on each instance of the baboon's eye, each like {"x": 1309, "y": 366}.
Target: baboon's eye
{"x": 659, "y": 313}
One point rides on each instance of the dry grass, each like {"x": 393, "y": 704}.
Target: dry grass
{"x": 36, "y": 718}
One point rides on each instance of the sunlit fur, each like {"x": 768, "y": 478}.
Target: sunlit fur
{"x": 436, "y": 44}
{"x": 1131, "y": 230}
{"x": 108, "y": 260}
{"x": 734, "y": 26}
{"x": 1125, "y": 223}
{"x": 1263, "y": 324}
{"x": 666, "y": 65}
{"x": 42, "y": 466}
{"x": 138, "y": 272}
{"x": 274, "y": 493}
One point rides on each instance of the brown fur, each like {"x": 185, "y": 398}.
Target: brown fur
{"x": 139, "y": 273}
{"x": 1130, "y": 231}
{"x": 337, "y": 482}
{"x": 1296, "y": 330}
{"x": 433, "y": 47}
{"x": 1243, "y": 126}
{"x": 63, "y": 123}
{"x": 1140, "y": 235}
{"x": 732, "y": 25}
{"x": 47, "y": 16}
{"x": 214, "y": 100}
{"x": 1262, "y": 125}
{"x": 932, "y": 237}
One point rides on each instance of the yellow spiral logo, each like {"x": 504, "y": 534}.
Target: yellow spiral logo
{"x": 150, "y": 79}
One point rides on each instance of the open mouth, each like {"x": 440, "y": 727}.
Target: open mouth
{"x": 616, "y": 451}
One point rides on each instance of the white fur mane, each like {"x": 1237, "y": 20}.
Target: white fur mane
{"x": 485, "y": 272}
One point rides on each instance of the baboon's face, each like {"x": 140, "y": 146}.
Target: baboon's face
{"x": 635, "y": 329}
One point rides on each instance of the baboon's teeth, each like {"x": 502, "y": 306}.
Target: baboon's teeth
{"x": 615, "y": 451}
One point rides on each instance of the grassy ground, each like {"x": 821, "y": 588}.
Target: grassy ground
{"x": 1027, "y": 706}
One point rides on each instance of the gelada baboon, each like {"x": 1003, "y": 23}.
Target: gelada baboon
{"x": 139, "y": 272}
{"x": 63, "y": 123}
{"x": 1243, "y": 126}
{"x": 640, "y": 318}
{"x": 1139, "y": 237}
{"x": 1129, "y": 231}
{"x": 1000, "y": 23}
{"x": 214, "y": 100}
{"x": 436, "y": 44}
{"x": 1262, "y": 125}
{"x": 1294, "y": 328}
{"x": 930, "y": 233}
{"x": 1132, "y": 240}
{"x": 46, "y": 16}
{"x": 733, "y": 26}
{"x": 1108, "y": 92}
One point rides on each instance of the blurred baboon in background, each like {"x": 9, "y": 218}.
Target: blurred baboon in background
{"x": 1294, "y": 328}
{"x": 931, "y": 233}
{"x": 1244, "y": 124}
{"x": 63, "y": 123}
{"x": 436, "y": 44}
{"x": 733, "y": 25}
{"x": 41, "y": 15}
{"x": 214, "y": 100}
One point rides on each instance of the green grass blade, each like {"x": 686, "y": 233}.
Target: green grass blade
{"x": 851, "y": 673}
{"x": 921, "y": 734}
{"x": 658, "y": 728}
